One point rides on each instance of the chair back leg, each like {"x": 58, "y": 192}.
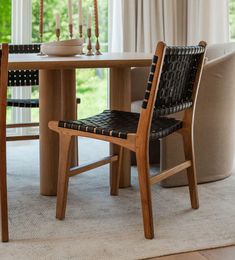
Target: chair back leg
{"x": 4, "y": 207}
{"x": 142, "y": 158}
{"x": 63, "y": 178}
{"x": 191, "y": 171}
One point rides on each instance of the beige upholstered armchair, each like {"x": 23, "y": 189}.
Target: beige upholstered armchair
{"x": 214, "y": 120}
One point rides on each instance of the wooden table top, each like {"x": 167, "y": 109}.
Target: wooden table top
{"x": 107, "y": 60}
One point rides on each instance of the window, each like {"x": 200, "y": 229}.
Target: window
{"x": 91, "y": 83}
{"x": 232, "y": 19}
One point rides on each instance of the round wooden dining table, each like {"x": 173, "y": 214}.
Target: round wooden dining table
{"x": 57, "y": 95}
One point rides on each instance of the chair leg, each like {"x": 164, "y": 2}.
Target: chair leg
{"x": 191, "y": 171}
{"x": 115, "y": 176}
{"x": 75, "y": 159}
{"x": 63, "y": 179}
{"x": 76, "y": 139}
{"x": 4, "y": 207}
{"x": 142, "y": 159}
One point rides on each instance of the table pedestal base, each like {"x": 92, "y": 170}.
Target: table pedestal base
{"x": 57, "y": 102}
{"x": 120, "y": 99}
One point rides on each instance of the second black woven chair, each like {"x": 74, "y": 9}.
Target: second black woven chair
{"x": 172, "y": 86}
{"x": 24, "y": 78}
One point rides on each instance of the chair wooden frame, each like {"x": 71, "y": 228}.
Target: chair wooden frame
{"x": 3, "y": 164}
{"x": 137, "y": 143}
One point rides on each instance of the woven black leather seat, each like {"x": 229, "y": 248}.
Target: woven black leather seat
{"x": 119, "y": 124}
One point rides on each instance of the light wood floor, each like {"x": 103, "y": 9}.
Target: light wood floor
{"x": 224, "y": 253}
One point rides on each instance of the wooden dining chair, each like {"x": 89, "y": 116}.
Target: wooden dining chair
{"x": 3, "y": 170}
{"x": 172, "y": 86}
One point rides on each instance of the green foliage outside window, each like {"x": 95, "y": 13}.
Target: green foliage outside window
{"x": 5, "y": 20}
{"x": 232, "y": 18}
{"x": 91, "y": 83}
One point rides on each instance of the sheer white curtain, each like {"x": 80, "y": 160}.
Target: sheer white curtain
{"x": 21, "y": 31}
{"x": 21, "y": 21}
{"x": 208, "y": 20}
{"x": 137, "y": 25}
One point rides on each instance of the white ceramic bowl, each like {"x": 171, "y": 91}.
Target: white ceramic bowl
{"x": 54, "y": 50}
{"x": 73, "y": 42}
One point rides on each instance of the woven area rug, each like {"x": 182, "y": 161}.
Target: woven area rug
{"x": 98, "y": 226}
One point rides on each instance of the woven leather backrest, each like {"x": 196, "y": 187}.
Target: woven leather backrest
{"x": 23, "y": 77}
{"x": 176, "y": 81}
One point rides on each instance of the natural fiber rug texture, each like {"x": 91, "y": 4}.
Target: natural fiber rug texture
{"x": 98, "y": 226}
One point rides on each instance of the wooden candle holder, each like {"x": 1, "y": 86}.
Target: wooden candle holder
{"x": 41, "y": 14}
{"x": 80, "y": 30}
{"x": 89, "y": 45}
{"x": 97, "y": 46}
{"x": 80, "y": 35}
{"x": 57, "y": 32}
{"x": 71, "y": 31}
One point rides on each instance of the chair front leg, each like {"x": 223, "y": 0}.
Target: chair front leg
{"x": 142, "y": 158}
{"x": 191, "y": 171}
{"x": 115, "y": 175}
{"x": 63, "y": 179}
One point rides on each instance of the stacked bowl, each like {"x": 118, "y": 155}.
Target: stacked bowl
{"x": 62, "y": 48}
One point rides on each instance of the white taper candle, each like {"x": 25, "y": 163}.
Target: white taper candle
{"x": 79, "y": 12}
{"x": 70, "y": 12}
{"x": 57, "y": 21}
{"x": 89, "y": 19}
